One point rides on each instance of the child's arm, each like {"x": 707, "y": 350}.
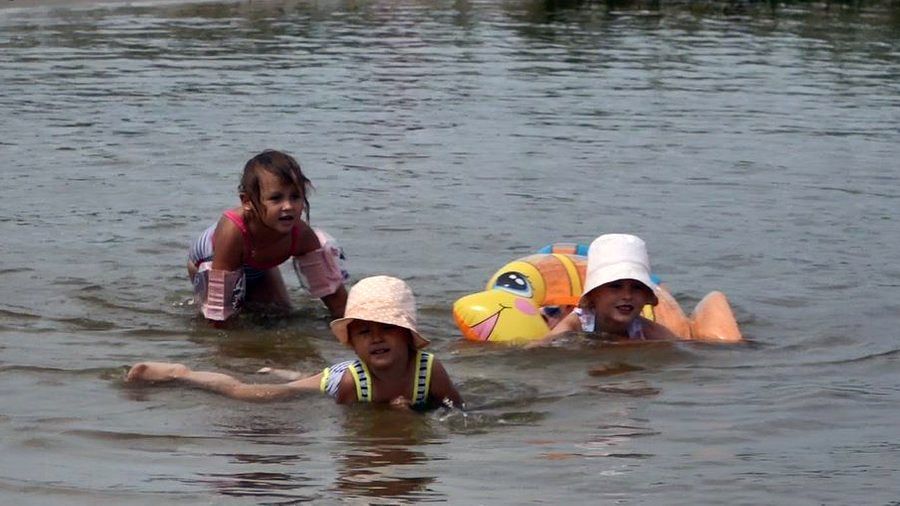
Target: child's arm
{"x": 228, "y": 245}
{"x": 336, "y": 302}
{"x": 442, "y": 386}
{"x": 570, "y": 323}
{"x": 218, "y": 302}
{"x": 321, "y": 271}
{"x": 222, "y": 383}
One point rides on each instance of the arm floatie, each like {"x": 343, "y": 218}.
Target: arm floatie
{"x": 321, "y": 271}
{"x": 219, "y": 292}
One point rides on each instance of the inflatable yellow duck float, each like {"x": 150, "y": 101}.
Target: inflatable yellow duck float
{"x": 520, "y": 297}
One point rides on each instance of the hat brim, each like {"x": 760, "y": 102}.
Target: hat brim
{"x": 339, "y": 329}
{"x": 619, "y": 271}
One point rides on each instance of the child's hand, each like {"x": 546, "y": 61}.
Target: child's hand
{"x": 156, "y": 371}
{"x": 401, "y": 403}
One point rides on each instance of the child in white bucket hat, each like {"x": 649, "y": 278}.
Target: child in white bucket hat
{"x": 379, "y": 323}
{"x": 616, "y": 288}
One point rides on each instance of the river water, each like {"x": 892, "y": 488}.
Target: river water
{"x": 754, "y": 149}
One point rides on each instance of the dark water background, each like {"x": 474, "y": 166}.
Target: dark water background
{"x": 754, "y": 147}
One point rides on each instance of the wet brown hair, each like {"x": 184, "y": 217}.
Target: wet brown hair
{"x": 281, "y": 165}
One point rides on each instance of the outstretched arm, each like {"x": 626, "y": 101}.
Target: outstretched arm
{"x": 221, "y": 383}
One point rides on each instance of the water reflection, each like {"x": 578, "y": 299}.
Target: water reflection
{"x": 382, "y": 456}
{"x": 267, "y": 457}
{"x": 271, "y": 485}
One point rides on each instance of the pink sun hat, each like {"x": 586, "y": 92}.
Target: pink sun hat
{"x": 382, "y": 299}
{"x": 612, "y": 257}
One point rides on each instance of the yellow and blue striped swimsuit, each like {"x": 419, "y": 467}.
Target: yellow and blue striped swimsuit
{"x": 365, "y": 392}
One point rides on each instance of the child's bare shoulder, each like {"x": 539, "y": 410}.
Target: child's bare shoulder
{"x": 346, "y": 392}
{"x": 227, "y": 230}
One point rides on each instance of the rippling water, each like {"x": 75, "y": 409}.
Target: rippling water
{"x": 754, "y": 149}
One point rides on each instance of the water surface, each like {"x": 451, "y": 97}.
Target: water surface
{"x": 755, "y": 150}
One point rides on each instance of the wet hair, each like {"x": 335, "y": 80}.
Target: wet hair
{"x": 281, "y": 165}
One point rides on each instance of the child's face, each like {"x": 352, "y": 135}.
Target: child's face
{"x": 618, "y": 303}
{"x": 379, "y": 345}
{"x": 282, "y": 203}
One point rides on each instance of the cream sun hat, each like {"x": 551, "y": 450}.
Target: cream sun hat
{"x": 612, "y": 257}
{"x": 382, "y": 299}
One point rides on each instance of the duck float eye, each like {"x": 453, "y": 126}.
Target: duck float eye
{"x": 515, "y": 283}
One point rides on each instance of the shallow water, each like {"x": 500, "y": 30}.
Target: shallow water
{"x": 754, "y": 151}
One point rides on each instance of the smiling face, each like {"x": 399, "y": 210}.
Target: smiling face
{"x": 280, "y": 205}
{"x": 379, "y": 345}
{"x": 616, "y": 304}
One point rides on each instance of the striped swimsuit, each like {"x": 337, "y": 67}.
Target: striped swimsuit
{"x": 331, "y": 380}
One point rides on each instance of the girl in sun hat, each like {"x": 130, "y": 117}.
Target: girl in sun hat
{"x": 381, "y": 299}
{"x": 379, "y": 323}
{"x": 616, "y": 287}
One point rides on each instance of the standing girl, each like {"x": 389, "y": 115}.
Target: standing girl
{"x": 235, "y": 261}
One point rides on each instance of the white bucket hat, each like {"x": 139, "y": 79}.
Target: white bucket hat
{"x": 612, "y": 257}
{"x": 382, "y": 299}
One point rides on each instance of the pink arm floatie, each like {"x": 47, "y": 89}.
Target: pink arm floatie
{"x": 223, "y": 295}
{"x": 320, "y": 271}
